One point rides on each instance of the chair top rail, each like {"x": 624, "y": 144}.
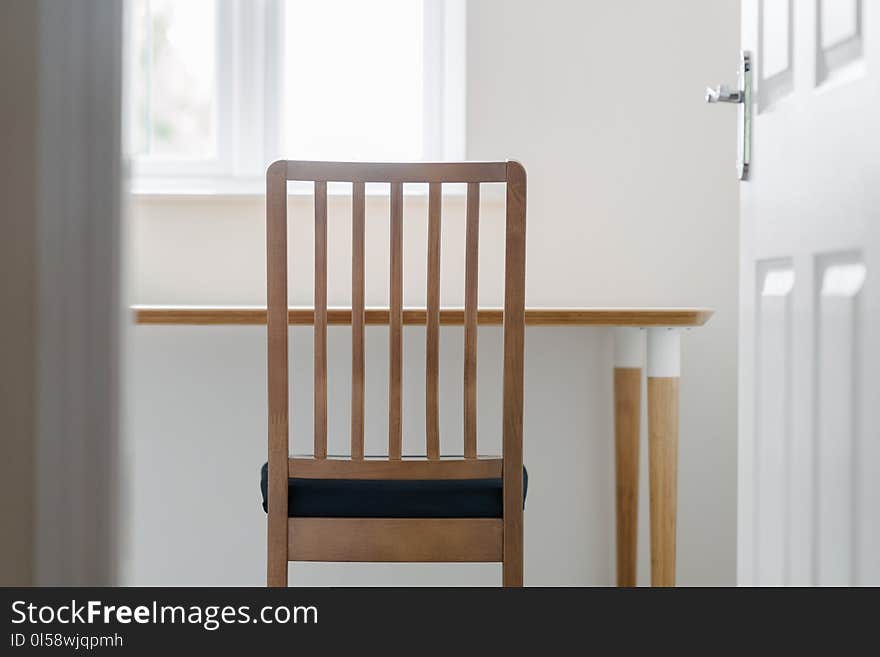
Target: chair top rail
{"x": 388, "y": 172}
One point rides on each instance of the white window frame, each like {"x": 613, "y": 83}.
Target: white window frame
{"x": 249, "y": 88}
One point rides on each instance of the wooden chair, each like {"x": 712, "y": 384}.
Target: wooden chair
{"x": 402, "y": 539}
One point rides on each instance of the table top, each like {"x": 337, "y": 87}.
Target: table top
{"x": 254, "y": 315}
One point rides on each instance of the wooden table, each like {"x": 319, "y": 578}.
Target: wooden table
{"x": 663, "y": 327}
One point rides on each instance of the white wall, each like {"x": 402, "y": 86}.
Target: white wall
{"x": 632, "y": 201}
{"x": 632, "y": 198}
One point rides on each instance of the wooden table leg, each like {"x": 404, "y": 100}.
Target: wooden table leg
{"x": 627, "y": 419}
{"x": 663, "y": 377}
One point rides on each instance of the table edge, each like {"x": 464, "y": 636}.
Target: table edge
{"x": 254, "y": 315}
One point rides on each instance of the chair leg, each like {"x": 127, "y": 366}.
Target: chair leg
{"x": 512, "y": 566}
{"x": 513, "y": 572}
{"x": 276, "y": 554}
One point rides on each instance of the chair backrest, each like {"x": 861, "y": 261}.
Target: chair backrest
{"x": 397, "y": 174}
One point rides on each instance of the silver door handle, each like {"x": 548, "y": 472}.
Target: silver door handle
{"x": 742, "y": 97}
{"x": 723, "y": 94}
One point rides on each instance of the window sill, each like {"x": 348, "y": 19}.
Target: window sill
{"x": 196, "y": 188}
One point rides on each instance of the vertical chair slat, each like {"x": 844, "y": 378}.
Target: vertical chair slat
{"x": 395, "y": 324}
{"x": 320, "y": 392}
{"x": 514, "y": 343}
{"x": 276, "y": 297}
{"x": 357, "y": 321}
{"x": 432, "y": 351}
{"x": 472, "y": 249}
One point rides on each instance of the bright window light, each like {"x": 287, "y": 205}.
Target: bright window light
{"x": 353, "y": 82}
{"x": 174, "y": 91}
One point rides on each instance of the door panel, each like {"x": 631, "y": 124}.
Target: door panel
{"x": 838, "y": 22}
{"x": 839, "y": 42}
{"x": 773, "y": 414}
{"x": 775, "y": 74}
{"x": 838, "y": 318}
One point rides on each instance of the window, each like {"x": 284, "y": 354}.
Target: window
{"x": 174, "y": 96}
{"x": 220, "y": 88}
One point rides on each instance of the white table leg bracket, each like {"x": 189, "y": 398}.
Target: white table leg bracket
{"x": 664, "y": 352}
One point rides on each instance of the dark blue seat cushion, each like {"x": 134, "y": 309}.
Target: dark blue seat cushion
{"x": 392, "y": 498}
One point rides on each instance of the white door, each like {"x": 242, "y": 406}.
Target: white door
{"x": 809, "y": 458}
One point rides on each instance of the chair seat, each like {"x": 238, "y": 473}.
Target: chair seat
{"x": 392, "y": 498}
